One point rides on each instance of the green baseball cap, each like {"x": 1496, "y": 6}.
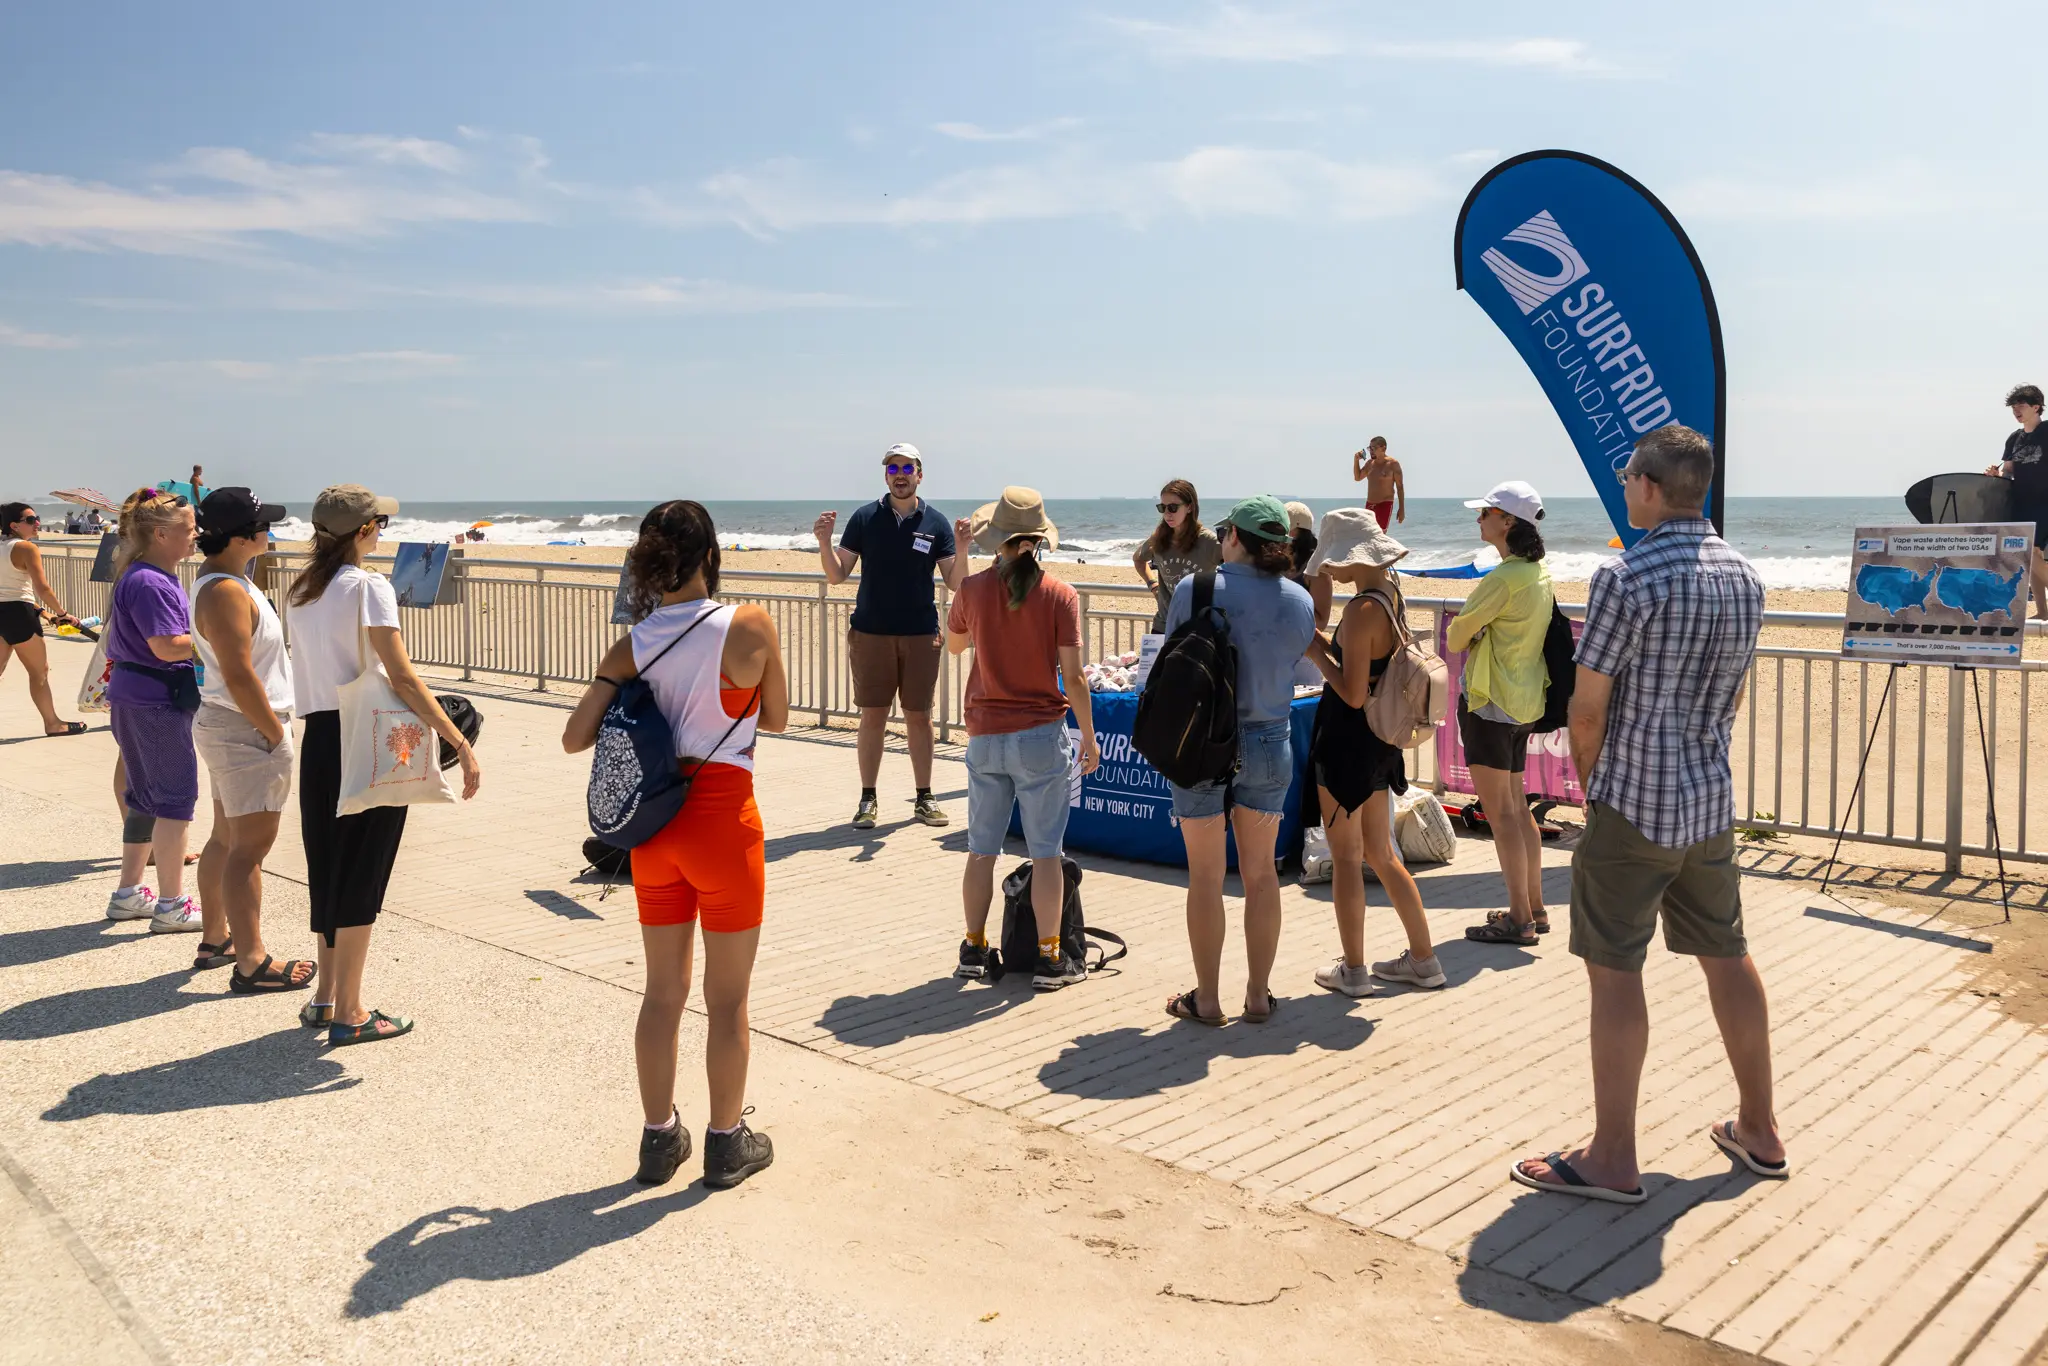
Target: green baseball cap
{"x": 1263, "y": 516}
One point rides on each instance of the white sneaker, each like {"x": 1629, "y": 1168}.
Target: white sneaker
{"x": 1427, "y": 974}
{"x": 139, "y": 904}
{"x": 180, "y": 917}
{"x": 1350, "y": 981}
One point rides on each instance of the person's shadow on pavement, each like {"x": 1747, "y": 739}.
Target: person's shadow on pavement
{"x": 112, "y": 1003}
{"x": 278, "y": 1066}
{"x": 464, "y": 1243}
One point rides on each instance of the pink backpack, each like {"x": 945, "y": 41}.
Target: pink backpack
{"x": 1413, "y": 696}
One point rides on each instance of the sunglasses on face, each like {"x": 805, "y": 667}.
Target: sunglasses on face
{"x": 1168, "y": 509}
{"x": 33, "y": 519}
{"x": 382, "y": 520}
{"x": 893, "y": 470}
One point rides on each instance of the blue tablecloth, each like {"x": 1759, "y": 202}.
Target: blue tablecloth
{"x": 1125, "y": 808}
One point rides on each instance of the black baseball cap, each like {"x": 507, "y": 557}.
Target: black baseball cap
{"x": 232, "y": 509}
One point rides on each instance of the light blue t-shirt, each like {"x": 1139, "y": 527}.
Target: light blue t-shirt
{"x": 1271, "y": 619}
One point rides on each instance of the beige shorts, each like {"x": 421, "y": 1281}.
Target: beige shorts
{"x": 1622, "y": 883}
{"x": 248, "y": 775}
{"x": 886, "y": 668}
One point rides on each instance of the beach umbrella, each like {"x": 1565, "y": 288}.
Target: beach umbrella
{"x": 89, "y": 498}
{"x": 478, "y": 526}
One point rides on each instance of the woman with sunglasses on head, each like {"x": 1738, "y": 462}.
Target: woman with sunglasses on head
{"x": 152, "y": 694}
{"x": 1179, "y": 546}
{"x": 716, "y": 673}
{"x": 335, "y": 605}
{"x": 1272, "y": 621}
{"x": 1501, "y": 630}
{"x": 22, "y": 583}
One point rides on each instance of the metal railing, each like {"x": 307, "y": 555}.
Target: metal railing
{"x": 1924, "y": 787}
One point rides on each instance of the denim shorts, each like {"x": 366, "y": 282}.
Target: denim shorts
{"x": 1265, "y": 770}
{"x": 1031, "y": 768}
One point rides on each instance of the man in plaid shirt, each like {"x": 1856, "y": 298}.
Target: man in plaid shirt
{"x": 1671, "y": 629}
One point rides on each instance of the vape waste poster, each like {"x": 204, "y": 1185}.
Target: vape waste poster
{"x": 1951, "y": 594}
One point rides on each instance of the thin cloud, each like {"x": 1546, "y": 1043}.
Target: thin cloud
{"x": 1886, "y": 192}
{"x": 1030, "y": 132}
{"x": 352, "y": 367}
{"x": 664, "y": 294}
{"x": 10, "y": 335}
{"x": 1237, "y": 33}
{"x": 788, "y": 196}
{"x": 214, "y": 199}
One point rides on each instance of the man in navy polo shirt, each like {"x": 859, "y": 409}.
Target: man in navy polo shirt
{"x": 893, "y": 647}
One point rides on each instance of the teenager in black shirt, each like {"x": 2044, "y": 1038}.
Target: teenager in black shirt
{"x": 2026, "y": 464}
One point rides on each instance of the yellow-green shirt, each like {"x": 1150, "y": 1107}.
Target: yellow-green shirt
{"x": 1502, "y": 628}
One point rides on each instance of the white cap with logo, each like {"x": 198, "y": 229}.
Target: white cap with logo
{"x": 1514, "y": 497}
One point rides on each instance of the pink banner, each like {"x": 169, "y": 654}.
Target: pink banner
{"x": 1550, "y": 773}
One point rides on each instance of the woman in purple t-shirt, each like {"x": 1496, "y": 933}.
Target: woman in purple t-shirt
{"x": 152, "y": 695}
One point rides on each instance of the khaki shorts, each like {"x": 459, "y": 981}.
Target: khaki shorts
{"x": 1621, "y": 881}
{"x": 888, "y": 668}
{"x": 248, "y": 775}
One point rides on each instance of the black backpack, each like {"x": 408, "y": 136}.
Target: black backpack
{"x": 1559, "y": 650}
{"x": 1017, "y": 951}
{"x": 1187, "y": 716}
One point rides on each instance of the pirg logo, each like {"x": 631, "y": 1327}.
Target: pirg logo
{"x": 1529, "y": 290}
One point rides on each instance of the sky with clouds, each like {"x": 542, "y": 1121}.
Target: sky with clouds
{"x": 632, "y": 251}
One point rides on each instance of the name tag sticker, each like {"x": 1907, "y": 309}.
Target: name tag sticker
{"x": 921, "y": 543}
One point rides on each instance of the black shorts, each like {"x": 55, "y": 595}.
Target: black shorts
{"x": 20, "y": 621}
{"x": 1492, "y": 744}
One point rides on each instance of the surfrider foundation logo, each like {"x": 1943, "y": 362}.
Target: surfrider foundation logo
{"x": 1529, "y": 289}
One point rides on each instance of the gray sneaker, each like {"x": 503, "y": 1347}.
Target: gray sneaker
{"x": 1349, "y": 981}
{"x": 139, "y": 904}
{"x": 1426, "y": 973}
{"x": 179, "y": 917}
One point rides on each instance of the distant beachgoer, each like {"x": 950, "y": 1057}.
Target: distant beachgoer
{"x": 199, "y": 489}
{"x": 151, "y": 696}
{"x": 1272, "y": 622}
{"x": 1671, "y": 631}
{"x": 1179, "y": 546}
{"x": 1025, "y": 629}
{"x": 1354, "y": 769}
{"x": 893, "y": 644}
{"x": 1501, "y": 629}
{"x": 243, "y": 732}
{"x": 2026, "y": 464}
{"x": 94, "y": 523}
{"x": 1385, "y": 492}
{"x": 349, "y": 858}
{"x": 716, "y": 673}
{"x": 22, "y": 584}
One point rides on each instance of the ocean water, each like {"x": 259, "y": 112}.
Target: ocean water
{"x": 1794, "y": 542}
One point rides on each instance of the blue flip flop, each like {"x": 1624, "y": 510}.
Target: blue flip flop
{"x": 1574, "y": 1184}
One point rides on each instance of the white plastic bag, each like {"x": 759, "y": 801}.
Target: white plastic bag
{"x": 1315, "y": 856}
{"x": 92, "y": 689}
{"x": 388, "y": 754}
{"x": 1421, "y": 829}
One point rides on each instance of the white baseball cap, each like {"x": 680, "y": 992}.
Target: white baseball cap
{"x": 1514, "y": 497}
{"x": 903, "y": 450}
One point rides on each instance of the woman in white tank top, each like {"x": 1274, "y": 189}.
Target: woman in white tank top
{"x": 22, "y": 582}
{"x": 243, "y": 734}
{"x": 716, "y": 673}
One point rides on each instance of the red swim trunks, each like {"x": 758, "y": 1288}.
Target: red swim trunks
{"x": 1384, "y": 512}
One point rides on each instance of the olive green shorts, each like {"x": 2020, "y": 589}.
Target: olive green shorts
{"x": 1622, "y": 881}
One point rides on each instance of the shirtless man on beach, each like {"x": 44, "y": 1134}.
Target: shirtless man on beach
{"x": 1385, "y": 494}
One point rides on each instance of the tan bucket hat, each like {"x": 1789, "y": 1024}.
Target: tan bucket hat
{"x": 343, "y": 509}
{"x": 1354, "y": 536}
{"x": 1019, "y": 512}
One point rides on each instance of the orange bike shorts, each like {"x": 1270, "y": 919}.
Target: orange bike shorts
{"x": 708, "y": 862}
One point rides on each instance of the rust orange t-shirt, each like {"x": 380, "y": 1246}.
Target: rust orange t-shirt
{"x": 1014, "y": 684}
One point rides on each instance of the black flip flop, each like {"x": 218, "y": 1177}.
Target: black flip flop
{"x": 1723, "y": 1135}
{"x": 70, "y": 728}
{"x": 1573, "y": 1183}
{"x": 269, "y": 979}
{"x": 1182, "y": 1007}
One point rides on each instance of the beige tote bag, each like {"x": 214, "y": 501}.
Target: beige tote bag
{"x": 388, "y": 754}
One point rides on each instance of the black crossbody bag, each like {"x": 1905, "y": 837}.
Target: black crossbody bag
{"x": 183, "y": 683}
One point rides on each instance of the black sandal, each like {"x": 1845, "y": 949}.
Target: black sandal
{"x": 1182, "y": 1007}
{"x": 1542, "y": 922}
{"x": 1500, "y": 928}
{"x": 214, "y": 956}
{"x": 1254, "y": 1017}
{"x": 70, "y": 728}
{"x": 269, "y": 978}
{"x": 340, "y": 1035}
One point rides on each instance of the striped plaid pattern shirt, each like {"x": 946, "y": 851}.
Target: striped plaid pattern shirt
{"x": 1673, "y": 621}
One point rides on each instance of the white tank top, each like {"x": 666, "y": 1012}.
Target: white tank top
{"x": 266, "y": 653}
{"x": 686, "y": 681}
{"x": 14, "y": 581}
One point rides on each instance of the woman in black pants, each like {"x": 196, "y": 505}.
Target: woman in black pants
{"x": 334, "y": 605}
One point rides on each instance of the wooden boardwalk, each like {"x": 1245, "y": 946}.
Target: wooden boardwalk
{"x": 1915, "y": 1229}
